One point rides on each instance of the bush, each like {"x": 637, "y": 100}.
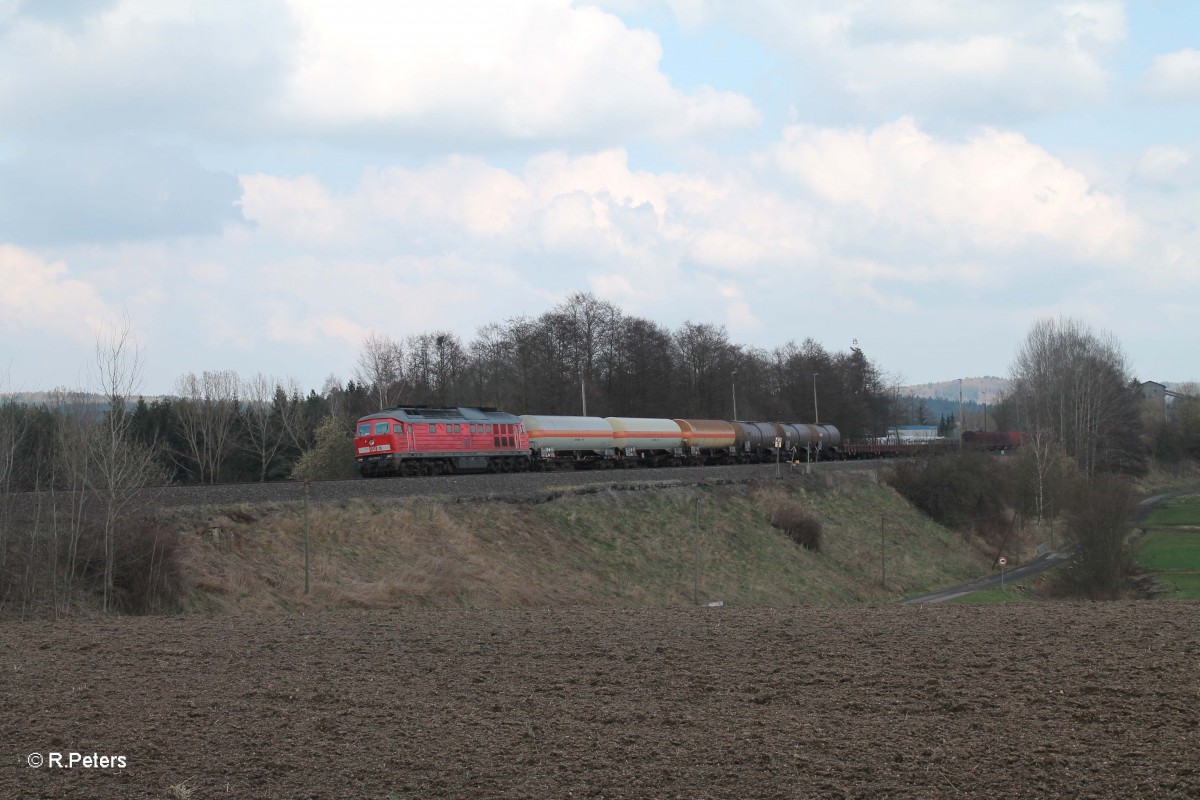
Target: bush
{"x": 148, "y": 573}
{"x": 797, "y": 524}
{"x": 1098, "y": 522}
{"x": 964, "y": 492}
{"x": 332, "y": 456}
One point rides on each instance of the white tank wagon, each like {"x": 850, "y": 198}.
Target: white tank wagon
{"x": 649, "y": 441}
{"x": 577, "y": 441}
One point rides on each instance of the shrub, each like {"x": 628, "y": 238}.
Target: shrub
{"x": 148, "y": 572}
{"x": 332, "y": 456}
{"x": 797, "y": 524}
{"x": 1098, "y": 522}
{"x": 966, "y": 491}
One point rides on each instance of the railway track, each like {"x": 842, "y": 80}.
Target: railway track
{"x": 519, "y": 485}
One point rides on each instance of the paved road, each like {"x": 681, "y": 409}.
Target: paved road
{"x": 1041, "y": 565}
{"x": 1034, "y": 567}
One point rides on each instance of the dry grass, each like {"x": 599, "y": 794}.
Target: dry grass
{"x": 659, "y": 547}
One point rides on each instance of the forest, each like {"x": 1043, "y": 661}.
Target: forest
{"x": 218, "y": 426}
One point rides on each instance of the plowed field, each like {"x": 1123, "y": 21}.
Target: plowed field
{"x": 1098, "y": 700}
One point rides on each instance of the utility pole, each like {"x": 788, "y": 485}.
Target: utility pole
{"x": 735, "y": 394}
{"x": 583, "y": 391}
{"x": 962, "y": 424}
{"x": 816, "y": 414}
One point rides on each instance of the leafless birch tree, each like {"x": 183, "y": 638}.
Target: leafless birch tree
{"x": 120, "y": 466}
{"x": 380, "y": 368}
{"x": 271, "y": 411}
{"x": 207, "y": 411}
{"x": 1072, "y": 384}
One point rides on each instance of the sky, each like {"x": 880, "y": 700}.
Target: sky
{"x": 258, "y": 186}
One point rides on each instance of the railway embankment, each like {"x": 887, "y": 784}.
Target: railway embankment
{"x": 821, "y": 539}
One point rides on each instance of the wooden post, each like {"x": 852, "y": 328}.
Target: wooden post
{"x": 882, "y": 554}
{"x": 307, "y": 572}
{"x": 696, "y": 541}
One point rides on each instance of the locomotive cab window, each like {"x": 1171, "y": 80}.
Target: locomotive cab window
{"x": 381, "y": 427}
{"x": 364, "y": 429}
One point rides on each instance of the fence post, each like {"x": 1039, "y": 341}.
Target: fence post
{"x": 307, "y": 573}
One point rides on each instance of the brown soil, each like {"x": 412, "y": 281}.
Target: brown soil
{"x": 1096, "y": 700}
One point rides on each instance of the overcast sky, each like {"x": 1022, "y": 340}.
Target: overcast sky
{"x": 258, "y": 185}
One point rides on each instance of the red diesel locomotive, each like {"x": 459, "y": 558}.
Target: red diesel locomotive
{"x": 412, "y": 440}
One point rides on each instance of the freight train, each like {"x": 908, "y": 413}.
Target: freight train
{"x": 417, "y": 440}
{"x": 976, "y": 441}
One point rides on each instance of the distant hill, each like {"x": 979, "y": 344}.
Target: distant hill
{"x": 975, "y": 390}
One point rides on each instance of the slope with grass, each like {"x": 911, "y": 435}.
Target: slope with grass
{"x": 662, "y": 545}
{"x": 1170, "y": 547}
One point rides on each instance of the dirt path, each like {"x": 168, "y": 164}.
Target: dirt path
{"x": 1061, "y": 700}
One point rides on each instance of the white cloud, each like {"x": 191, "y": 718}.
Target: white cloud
{"x": 1166, "y": 165}
{"x": 40, "y": 295}
{"x": 1174, "y": 76}
{"x": 162, "y": 65}
{"x": 864, "y": 214}
{"x": 300, "y": 209}
{"x": 441, "y": 75}
{"x": 474, "y": 69}
{"x": 995, "y": 193}
{"x": 972, "y": 58}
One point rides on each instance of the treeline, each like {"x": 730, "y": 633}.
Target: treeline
{"x": 588, "y": 350}
{"x": 222, "y": 427}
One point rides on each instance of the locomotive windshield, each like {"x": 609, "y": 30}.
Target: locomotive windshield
{"x": 381, "y": 427}
{"x": 364, "y": 429}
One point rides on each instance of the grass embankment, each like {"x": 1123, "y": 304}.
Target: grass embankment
{"x": 1170, "y": 548}
{"x": 625, "y": 548}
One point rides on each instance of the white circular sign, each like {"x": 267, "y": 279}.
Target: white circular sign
{"x": 1003, "y": 561}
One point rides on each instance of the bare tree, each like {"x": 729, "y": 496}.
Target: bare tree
{"x": 1074, "y": 383}
{"x": 380, "y": 368}
{"x": 207, "y": 412}
{"x": 120, "y": 466}
{"x": 13, "y": 424}
{"x": 271, "y": 413}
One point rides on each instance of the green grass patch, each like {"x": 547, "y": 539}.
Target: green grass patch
{"x": 1177, "y": 511}
{"x": 1180, "y": 585}
{"x": 1173, "y": 555}
{"x": 1165, "y": 551}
